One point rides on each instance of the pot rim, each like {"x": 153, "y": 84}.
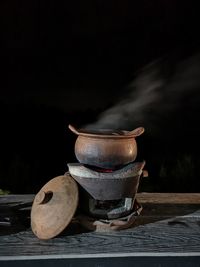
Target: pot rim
{"x": 105, "y": 133}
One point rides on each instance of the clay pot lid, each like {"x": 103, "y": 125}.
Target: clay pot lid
{"x": 54, "y": 206}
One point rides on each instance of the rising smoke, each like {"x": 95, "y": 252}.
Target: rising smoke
{"x": 157, "y": 91}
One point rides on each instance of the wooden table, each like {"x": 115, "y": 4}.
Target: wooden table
{"x": 167, "y": 233}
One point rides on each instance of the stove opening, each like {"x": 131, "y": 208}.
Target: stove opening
{"x": 105, "y": 170}
{"x": 109, "y": 204}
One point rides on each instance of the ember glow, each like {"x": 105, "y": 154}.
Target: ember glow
{"x": 97, "y": 169}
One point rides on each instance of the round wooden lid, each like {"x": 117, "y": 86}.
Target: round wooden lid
{"x": 54, "y": 206}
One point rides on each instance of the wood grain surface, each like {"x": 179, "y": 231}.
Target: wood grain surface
{"x": 169, "y": 198}
{"x": 166, "y": 227}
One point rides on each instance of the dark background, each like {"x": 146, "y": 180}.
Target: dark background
{"x": 67, "y": 61}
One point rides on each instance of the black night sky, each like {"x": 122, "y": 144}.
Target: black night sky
{"x": 67, "y": 61}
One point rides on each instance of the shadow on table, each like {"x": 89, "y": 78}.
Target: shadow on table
{"x": 15, "y": 219}
{"x": 157, "y": 212}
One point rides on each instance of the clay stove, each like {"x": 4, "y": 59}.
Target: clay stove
{"x": 108, "y": 177}
{"x": 107, "y": 195}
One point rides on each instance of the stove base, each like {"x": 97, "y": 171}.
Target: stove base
{"x": 105, "y": 225}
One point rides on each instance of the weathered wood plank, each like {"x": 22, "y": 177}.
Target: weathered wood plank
{"x": 181, "y": 234}
{"x": 111, "y": 261}
{"x": 169, "y": 198}
{"x": 160, "y": 205}
{"x": 160, "y": 198}
{"x": 16, "y": 199}
{"x": 153, "y": 234}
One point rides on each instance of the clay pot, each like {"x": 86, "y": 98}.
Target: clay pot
{"x": 106, "y": 148}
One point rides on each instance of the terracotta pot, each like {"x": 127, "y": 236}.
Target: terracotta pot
{"x": 106, "y": 148}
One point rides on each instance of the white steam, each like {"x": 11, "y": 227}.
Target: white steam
{"x": 157, "y": 90}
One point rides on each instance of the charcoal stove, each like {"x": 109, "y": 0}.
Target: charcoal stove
{"x": 107, "y": 195}
{"x": 108, "y": 179}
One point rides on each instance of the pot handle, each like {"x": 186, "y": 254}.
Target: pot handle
{"x": 73, "y": 129}
{"x": 138, "y": 131}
